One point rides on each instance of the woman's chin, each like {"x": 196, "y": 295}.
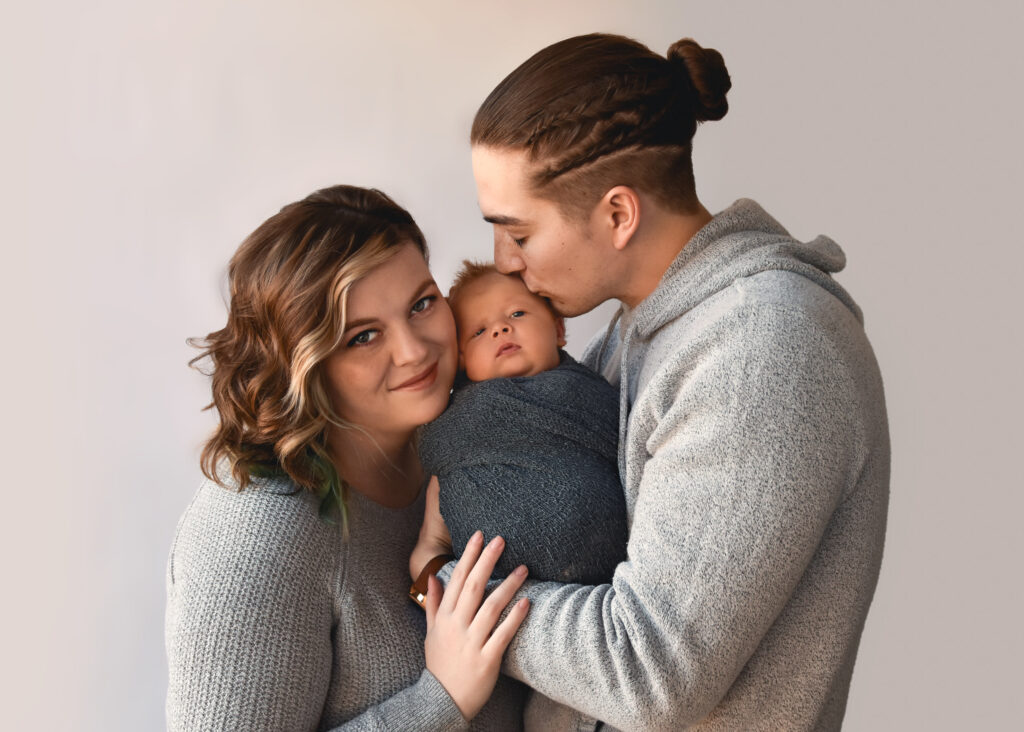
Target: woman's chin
{"x": 434, "y": 404}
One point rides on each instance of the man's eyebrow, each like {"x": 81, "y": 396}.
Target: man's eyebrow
{"x": 504, "y": 220}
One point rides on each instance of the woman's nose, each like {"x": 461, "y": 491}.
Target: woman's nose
{"x": 409, "y": 347}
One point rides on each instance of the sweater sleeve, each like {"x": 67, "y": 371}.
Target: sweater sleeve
{"x": 423, "y": 706}
{"x": 250, "y": 620}
{"x": 752, "y": 442}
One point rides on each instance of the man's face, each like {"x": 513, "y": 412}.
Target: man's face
{"x": 565, "y": 261}
{"x": 504, "y": 330}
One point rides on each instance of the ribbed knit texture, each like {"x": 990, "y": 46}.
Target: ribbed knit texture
{"x": 275, "y": 623}
{"x": 535, "y": 459}
{"x": 754, "y": 452}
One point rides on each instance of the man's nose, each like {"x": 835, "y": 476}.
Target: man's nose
{"x": 506, "y": 257}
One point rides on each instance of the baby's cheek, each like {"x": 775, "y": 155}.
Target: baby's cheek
{"x": 476, "y": 367}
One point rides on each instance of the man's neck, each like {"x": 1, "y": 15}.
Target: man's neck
{"x": 653, "y": 249}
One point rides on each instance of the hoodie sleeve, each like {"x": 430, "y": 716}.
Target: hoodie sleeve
{"x": 753, "y": 440}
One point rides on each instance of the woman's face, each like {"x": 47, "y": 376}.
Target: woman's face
{"x": 396, "y": 363}
{"x": 562, "y": 260}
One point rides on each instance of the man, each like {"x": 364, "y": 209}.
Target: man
{"x": 754, "y": 447}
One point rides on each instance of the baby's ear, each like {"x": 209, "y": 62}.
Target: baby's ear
{"x": 560, "y": 330}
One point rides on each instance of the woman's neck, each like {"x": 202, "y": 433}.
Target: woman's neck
{"x": 387, "y": 472}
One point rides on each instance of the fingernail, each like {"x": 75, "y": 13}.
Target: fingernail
{"x": 497, "y": 543}
{"x": 521, "y": 570}
{"x": 478, "y": 536}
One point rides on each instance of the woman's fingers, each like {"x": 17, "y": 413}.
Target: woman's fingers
{"x": 506, "y": 630}
{"x": 496, "y": 602}
{"x": 460, "y": 649}
{"x": 472, "y": 591}
{"x": 461, "y": 571}
{"x": 466, "y": 664}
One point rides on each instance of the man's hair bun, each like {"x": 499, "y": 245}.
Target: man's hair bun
{"x": 704, "y": 73}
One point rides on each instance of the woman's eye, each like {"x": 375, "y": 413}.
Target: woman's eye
{"x": 364, "y": 337}
{"x": 423, "y": 303}
{"x": 519, "y": 241}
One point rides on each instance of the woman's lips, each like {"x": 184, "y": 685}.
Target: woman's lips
{"x": 421, "y": 380}
{"x": 506, "y": 349}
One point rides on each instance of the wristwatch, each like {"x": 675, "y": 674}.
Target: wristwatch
{"x": 418, "y": 591}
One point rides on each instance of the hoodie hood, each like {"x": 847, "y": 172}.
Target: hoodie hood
{"x": 741, "y": 241}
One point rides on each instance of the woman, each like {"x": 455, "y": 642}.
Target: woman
{"x": 287, "y": 605}
{"x": 753, "y": 445}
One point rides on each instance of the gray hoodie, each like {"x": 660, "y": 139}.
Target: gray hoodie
{"x": 754, "y": 454}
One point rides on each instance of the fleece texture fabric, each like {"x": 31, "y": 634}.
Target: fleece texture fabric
{"x": 754, "y": 454}
{"x": 535, "y": 459}
{"x": 275, "y": 622}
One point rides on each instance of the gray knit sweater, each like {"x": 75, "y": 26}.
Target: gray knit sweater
{"x": 275, "y": 623}
{"x": 754, "y": 452}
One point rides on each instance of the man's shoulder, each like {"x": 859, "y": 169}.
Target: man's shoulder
{"x": 779, "y": 301}
{"x": 775, "y": 316}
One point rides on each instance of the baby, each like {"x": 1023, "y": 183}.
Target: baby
{"x": 528, "y": 446}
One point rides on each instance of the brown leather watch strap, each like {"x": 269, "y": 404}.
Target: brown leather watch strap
{"x": 418, "y": 591}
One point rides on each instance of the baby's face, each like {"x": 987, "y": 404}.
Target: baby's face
{"x": 505, "y": 330}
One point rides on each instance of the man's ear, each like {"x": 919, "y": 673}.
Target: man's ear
{"x": 619, "y": 214}
{"x": 560, "y": 331}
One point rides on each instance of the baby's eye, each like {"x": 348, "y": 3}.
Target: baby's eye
{"x": 478, "y": 332}
{"x": 364, "y": 337}
{"x": 423, "y": 303}
{"x": 518, "y": 313}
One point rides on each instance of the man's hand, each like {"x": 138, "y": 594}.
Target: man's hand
{"x": 434, "y": 537}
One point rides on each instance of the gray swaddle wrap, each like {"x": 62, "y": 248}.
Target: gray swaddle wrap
{"x": 534, "y": 459}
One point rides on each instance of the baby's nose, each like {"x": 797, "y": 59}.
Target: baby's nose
{"x": 498, "y": 330}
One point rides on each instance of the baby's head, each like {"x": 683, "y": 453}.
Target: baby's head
{"x": 504, "y": 329}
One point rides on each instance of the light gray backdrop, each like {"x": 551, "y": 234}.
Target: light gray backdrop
{"x": 142, "y": 141}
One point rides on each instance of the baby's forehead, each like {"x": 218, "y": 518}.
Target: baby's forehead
{"x": 495, "y": 286}
{"x": 469, "y": 303}
{"x": 497, "y": 289}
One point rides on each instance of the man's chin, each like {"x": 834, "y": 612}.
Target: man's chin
{"x": 560, "y": 308}
{"x": 564, "y": 310}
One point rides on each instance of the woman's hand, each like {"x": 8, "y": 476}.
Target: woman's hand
{"x": 463, "y": 646}
{"x": 434, "y": 537}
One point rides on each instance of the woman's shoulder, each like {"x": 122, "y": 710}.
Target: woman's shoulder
{"x": 266, "y": 508}
{"x": 265, "y": 527}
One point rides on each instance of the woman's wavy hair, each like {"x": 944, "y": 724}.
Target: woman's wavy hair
{"x": 599, "y": 110}
{"x": 288, "y": 283}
